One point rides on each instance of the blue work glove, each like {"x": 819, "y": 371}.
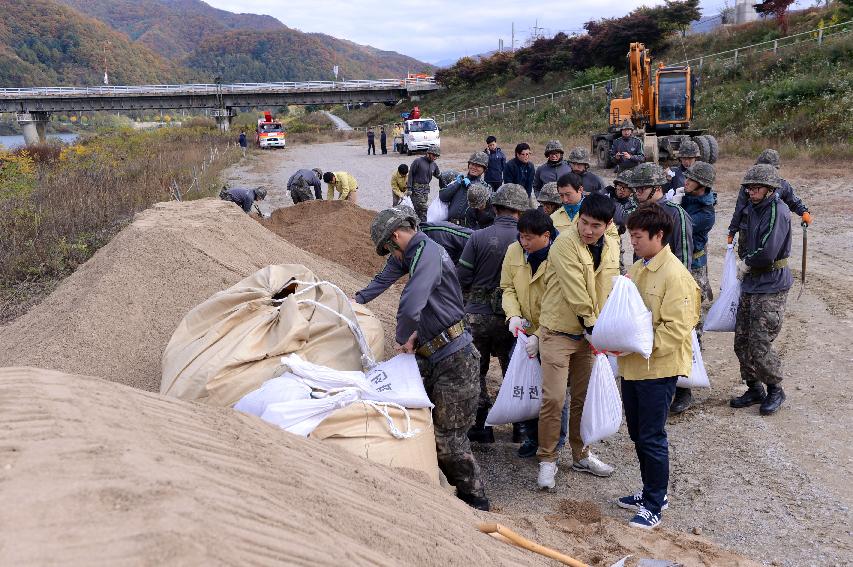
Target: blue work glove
{"x": 466, "y": 182}
{"x": 458, "y": 179}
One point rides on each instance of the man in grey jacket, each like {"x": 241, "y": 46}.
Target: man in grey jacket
{"x": 627, "y": 150}
{"x": 579, "y": 162}
{"x": 421, "y": 172}
{"x": 553, "y": 168}
{"x": 430, "y": 325}
{"x": 764, "y": 290}
{"x": 479, "y": 271}
{"x": 303, "y": 182}
{"x": 456, "y": 193}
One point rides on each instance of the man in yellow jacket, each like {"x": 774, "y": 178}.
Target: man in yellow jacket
{"x": 398, "y": 184}
{"x": 571, "y": 192}
{"x": 648, "y": 386}
{"x": 582, "y": 263}
{"x": 342, "y": 183}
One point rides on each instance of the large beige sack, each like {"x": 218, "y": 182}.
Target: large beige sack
{"x": 233, "y": 342}
{"x": 362, "y": 430}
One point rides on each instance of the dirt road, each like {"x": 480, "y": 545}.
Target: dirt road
{"x": 775, "y": 489}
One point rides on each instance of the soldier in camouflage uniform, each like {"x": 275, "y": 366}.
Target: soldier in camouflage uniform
{"x": 421, "y": 172}
{"x": 699, "y": 200}
{"x": 479, "y": 271}
{"x": 304, "y": 185}
{"x": 549, "y": 198}
{"x": 764, "y": 290}
{"x": 480, "y": 213}
{"x": 627, "y": 151}
{"x": 430, "y": 325}
{"x": 622, "y": 193}
{"x": 579, "y": 162}
{"x": 455, "y": 194}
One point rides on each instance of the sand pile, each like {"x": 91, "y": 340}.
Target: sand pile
{"x": 98, "y": 473}
{"x": 337, "y": 230}
{"x": 113, "y": 317}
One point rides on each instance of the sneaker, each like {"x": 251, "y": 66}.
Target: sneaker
{"x": 645, "y": 520}
{"x": 547, "y": 472}
{"x": 681, "y": 402}
{"x": 593, "y": 465}
{"x": 635, "y": 502}
{"x": 528, "y": 448}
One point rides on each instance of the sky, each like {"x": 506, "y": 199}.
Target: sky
{"x": 441, "y": 31}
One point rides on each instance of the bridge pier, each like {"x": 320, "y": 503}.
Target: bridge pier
{"x": 223, "y": 117}
{"x": 34, "y": 126}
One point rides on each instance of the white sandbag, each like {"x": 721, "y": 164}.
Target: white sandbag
{"x": 602, "y": 410}
{"x": 406, "y": 202}
{"x": 301, "y": 417}
{"x": 520, "y": 396}
{"x": 625, "y": 324}
{"x": 698, "y": 374}
{"x": 437, "y": 211}
{"x": 614, "y": 364}
{"x": 723, "y": 312}
{"x": 282, "y": 389}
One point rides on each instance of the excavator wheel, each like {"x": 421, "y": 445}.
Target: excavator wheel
{"x": 602, "y": 155}
{"x": 704, "y": 148}
{"x": 714, "y": 153}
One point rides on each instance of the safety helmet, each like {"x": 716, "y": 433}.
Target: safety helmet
{"x": 479, "y": 158}
{"x": 579, "y": 155}
{"x": 447, "y": 177}
{"x": 553, "y": 146}
{"x": 627, "y": 125}
{"x": 386, "y": 222}
{"x": 479, "y": 195}
{"x": 770, "y": 157}
{"x": 688, "y": 149}
{"x": 624, "y": 177}
{"x": 260, "y": 193}
{"x": 549, "y": 194}
{"x": 648, "y": 175}
{"x": 511, "y": 196}
{"x": 434, "y": 149}
{"x": 702, "y": 173}
{"x": 762, "y": 174}
{"x": 319, "y": 172}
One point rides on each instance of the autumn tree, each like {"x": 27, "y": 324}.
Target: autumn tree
{"x": 779, "y": 8}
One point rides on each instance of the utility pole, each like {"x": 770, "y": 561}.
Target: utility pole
{"x": 512, "y": 44}
{"x": 106, "y": 74}
{"x": 536, "y": 30}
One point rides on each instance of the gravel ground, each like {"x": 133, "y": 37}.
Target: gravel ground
{"x": 775, "y": 489}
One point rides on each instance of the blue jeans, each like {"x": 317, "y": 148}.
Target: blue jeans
{"x": 646, "y": 405}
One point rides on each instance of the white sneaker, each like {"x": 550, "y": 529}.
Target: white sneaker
{"x": 547, "y": 472}
{"x": 592, "y": 465}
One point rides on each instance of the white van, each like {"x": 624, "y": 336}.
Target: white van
{"x": 419, "y": 134}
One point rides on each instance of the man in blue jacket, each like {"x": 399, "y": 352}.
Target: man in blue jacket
{"x": 430, "y": 325}
{"x": 764, "y": 290}
{"x": 456, "y": 193}
{"x": 244, "y": 198}
{"x": 497, "y": 160}
{"x": 520, "y": 170}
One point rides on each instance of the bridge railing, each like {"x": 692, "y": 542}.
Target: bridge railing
{"x": 213, "y": 89}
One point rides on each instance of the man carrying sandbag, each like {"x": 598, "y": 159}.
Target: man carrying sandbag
{"x": 648, "y": 385}
{"x": 764, "y": 290}
{"x": 479, "y": 272}
{"x": 429, "y": 324}
{"x": 582, "y": 263}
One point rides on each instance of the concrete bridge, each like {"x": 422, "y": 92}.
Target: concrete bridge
{"x": 33, "y": 106}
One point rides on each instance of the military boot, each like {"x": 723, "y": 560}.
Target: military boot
{"x": 480, "y": 432}
{"x": 478, "y": 502}
{"x": 681, "y": 402}
{"x": 773, "y": 401}
{"x": 754, "y": 395}
{"x": 519, "y": 431}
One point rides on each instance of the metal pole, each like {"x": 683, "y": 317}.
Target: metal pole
{"x": 820, "y": 36}
{"x": 775, "y": 45}
{"x": 735, "y": 56}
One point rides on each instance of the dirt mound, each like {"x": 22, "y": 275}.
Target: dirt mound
{"x": 113, "y": 317}
{"x": 337, "y": 230}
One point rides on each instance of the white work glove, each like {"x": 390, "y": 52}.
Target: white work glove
{"x": 669, "y": 172}
{"x": 532, "y": 346}
{"x": 516, "y": 325}
{"x": 742, "y": 269}
{"x": 678, "y": 196}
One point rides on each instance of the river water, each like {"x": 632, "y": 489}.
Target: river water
{"x": 10, "y": 142}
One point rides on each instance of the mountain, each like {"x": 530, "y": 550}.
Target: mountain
{"x": 172, "y": 28}
{"x": 43, "y": 43}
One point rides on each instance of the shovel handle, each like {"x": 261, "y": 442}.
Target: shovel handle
{"x": 507, "y": 535}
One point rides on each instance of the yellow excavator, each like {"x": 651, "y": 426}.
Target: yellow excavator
{"x": 661, "y": 108}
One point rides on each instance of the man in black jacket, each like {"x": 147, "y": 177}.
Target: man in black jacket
{"x": 520, "y": 170}
{"x": 497, "y": 160}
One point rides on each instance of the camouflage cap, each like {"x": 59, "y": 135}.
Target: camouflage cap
{"x": 260, "y": 193}
{"x": 627, "y": 125}
{"x": 479, "y": 195}
{"x": 549, "y": 194}
{"x": 769, "y": 157}
{"x": 512, "y": 196}
{"x": 579, "y": 155}
{"x": 688, "y": 149}
{"x": 434, "y": 149}
{"x": 762, "y": 174}
{"x": 447, "y": 177}
{"x": 648, "y": 175}
{"x": 386, "y": 222}
{"x": 702, "y": 173}
{"x": 624, "y": 177}
{"x": 318, "y": 171}
{"x": 479, "y": 158}
{"x": 553, "y": 146}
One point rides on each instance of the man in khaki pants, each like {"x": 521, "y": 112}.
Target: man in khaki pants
{"x": 582, "y": 263}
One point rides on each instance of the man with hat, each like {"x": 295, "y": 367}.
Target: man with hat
{"x": 480, "y": 213}
{"x": 430, "y": 325}
{"x": 579, "y": 162}
{"x": 549, "y": 198}
{"x": 244, "y": 198}
{"x": 627, "y": 151}
{"x": 622, "y": 193}
{"x": 479, "y": 271}
{"x": 305, "y": 185}
{"x": 688, "y": 153}
{"x": 764, "y": 290}
{"x": 421, "y": 172}
{"x": 553, "y": 168}
{"x": 699, "y": 200}
{"x": 785, "y": 192}
{"x": 456, "y": 194}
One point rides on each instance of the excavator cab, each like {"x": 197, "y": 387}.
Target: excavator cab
{"x": 673, "y": 100}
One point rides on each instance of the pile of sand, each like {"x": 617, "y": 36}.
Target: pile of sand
{"x": 113, "y": 317}
{"x": 336, "y": 230}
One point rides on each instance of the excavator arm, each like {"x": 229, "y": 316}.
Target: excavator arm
{"x": 642, "y": 88}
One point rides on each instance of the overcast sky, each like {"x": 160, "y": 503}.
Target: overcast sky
{"x": 441, "y": 31}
